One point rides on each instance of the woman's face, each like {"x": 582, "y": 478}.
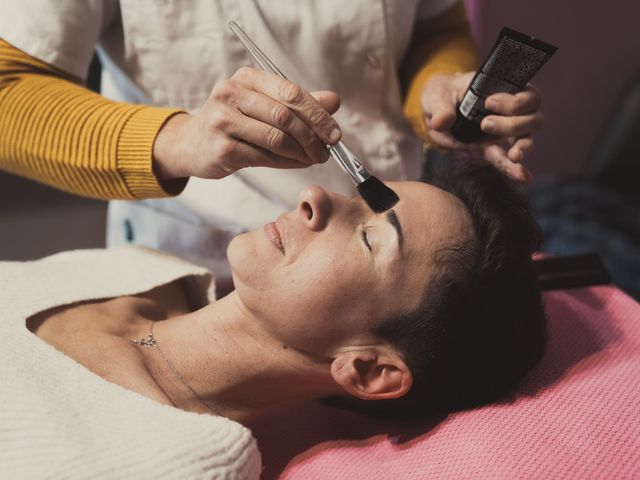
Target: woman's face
{"x": 322, "y": 276}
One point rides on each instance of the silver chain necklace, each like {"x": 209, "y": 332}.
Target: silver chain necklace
{"x": 150, "y": 342}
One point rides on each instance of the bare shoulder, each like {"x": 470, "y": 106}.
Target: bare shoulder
{"x": 96, "y": 333}
{"x": 66, "y": 325}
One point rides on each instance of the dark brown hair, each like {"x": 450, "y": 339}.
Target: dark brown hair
{"x": 481, "y": 325}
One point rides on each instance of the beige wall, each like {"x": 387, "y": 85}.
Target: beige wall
{"x": 599, "y": 50}
{"x": 36, "y": 221}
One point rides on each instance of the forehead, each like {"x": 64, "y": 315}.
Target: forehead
{"x": 429, "y": 216}
{"x": 431, "y": 219}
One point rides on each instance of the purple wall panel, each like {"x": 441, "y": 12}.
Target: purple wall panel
{"x": 599, "y": 49}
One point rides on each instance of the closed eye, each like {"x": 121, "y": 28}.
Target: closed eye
{"x": 365, "y": 239}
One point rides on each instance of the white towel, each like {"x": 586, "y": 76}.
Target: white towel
{"x": 60, "y": 420}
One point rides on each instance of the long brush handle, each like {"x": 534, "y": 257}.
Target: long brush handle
{"x": 349, "y": 162}
{"x": 258, "y": 55}
{"x": 339, "y": 152}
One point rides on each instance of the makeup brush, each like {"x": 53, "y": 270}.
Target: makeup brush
{"x": 378, "y": 196}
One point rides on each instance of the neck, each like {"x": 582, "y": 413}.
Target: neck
{"x": 236, "y": 368}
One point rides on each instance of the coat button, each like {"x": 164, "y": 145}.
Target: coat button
{"x": 128, "y": 231}
{"x": 388, "y": 152}
{"x": 372, "y": 59}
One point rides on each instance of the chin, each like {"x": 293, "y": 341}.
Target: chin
{"x": 245, "y": 270}
{"x": 237, "y": 251}
{"x": 244, "y": 258}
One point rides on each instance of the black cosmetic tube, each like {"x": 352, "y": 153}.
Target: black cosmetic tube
{"x": 512, "y": 62}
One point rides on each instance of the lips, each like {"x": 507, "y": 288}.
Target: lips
{"x": 272, "y": 230}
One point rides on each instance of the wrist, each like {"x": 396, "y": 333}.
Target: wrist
{"x": 167, "y": 161}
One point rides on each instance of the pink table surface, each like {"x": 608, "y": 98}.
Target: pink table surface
{"x": 577, "y": 415}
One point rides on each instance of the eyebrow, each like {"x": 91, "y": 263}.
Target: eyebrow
{"x": 392, "y": 218}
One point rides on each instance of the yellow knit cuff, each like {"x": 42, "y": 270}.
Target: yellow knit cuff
{"x": 135, "y": 154}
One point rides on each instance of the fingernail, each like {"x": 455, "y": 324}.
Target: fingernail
{"x": 334, "y": 136}
{"x": 488, "y": 126}
{"x": 491, "y": 105}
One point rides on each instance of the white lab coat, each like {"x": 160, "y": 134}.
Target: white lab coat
{"x": 172, "y": 53}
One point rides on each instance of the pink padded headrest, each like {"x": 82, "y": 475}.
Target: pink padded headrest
{"x": 577, "y": 415}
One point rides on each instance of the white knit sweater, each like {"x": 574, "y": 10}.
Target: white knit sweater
{"x": 59, "y": 420}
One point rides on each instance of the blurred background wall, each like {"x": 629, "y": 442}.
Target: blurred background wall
{"x": 36, "y": 221}
{"x": 599, "y": 51}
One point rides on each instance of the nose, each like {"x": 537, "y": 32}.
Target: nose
{"x": 314, "y": 207}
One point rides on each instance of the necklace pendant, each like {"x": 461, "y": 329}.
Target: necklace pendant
{"x": 148, "y": 341}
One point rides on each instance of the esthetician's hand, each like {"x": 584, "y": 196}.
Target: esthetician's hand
{"x": 519, "y": 116}
{"x": 254, "y": 118}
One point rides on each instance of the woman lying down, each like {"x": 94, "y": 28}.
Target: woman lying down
{"x": 115, "y": 364}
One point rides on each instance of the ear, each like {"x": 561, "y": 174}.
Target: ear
{"x": 372, "y": 373}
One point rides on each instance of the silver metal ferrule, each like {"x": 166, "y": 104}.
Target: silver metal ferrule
{"x": 349, "y": 163}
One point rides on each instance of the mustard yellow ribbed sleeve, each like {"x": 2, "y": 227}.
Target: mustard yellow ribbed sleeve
{"x": 55, "y": 131}
{"x": 442, "y": 44}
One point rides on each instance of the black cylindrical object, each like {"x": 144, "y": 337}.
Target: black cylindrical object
{"x": 512, "y": 62}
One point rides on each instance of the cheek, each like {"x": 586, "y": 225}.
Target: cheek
{"x": 314, "y": 282}
{"x": 318, "y": 279}
{"x": 308, "y": 304}
{"x": 324, "y": 296}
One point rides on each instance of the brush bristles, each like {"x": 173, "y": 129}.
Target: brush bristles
{"x": 377, "y": 195}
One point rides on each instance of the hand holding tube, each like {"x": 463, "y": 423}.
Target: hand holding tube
{"x": 254, "y": 118}
{"x": 511, "y": 129}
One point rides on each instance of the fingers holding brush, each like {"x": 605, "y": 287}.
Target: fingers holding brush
{"x": 254, "y": 118}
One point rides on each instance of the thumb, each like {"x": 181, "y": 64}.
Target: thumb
{"x": 439, "y": 106}
{"x": 329, "y": 100}
{"x": 443, "y": 120}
